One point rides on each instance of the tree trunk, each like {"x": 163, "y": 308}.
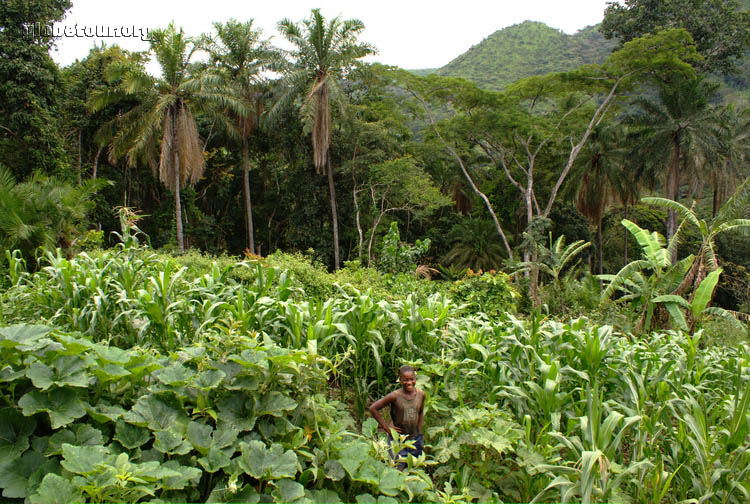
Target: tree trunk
{"x": 356, "y": 217}
{"x": 599, "y": 247}
{"x": 96, "y": 163}
{"x": 673, "y": 189}
{"x": 177, "y": 204}
{"x": 178, "y": 207}
{"x": 625, "y": 233}
{"x": 334, "y": 217}
{"x": 79, "y": 157}
{"x": 248, "y": 202}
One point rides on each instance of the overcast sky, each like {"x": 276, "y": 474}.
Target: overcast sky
{"x": 408, "y": 33}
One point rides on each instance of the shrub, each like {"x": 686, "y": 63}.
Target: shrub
{"x": 490, "y": 292}
{"x": 396, "y": 257}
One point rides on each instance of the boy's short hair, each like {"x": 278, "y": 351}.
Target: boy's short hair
{"x": 405, "y": 369}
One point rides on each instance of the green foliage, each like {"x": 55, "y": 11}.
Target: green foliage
{"x": 720, "y": 32}
{"x": 43, "y": 211}
{"x": 516, "y": 410}
{"x": 30, "y": 137}
{"x": 487, "y": 292}
{"x": 396, "y": 257}
{"x": 527, "y": 49}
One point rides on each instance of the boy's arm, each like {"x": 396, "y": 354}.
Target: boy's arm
{"x": 421, "y": 411}
{"x": 375, "y": 412}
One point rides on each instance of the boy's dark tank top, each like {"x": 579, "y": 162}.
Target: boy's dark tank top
{"x": 405, "y": 414}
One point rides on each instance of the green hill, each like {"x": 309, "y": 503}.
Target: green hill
{"x": 526, "y": 49}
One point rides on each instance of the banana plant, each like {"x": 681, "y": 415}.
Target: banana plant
{"x": 697, "y": 309}
{"x": 643, "y": 280}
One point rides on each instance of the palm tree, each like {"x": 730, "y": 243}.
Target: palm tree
{"x": 162, "y": 123}
{"x": 730, "y": 217}
{"x": 324, "y": 53}
{"x": 43, "y": 211}
{"x": 677, "y": 129}
{"x": 239, "y": 55}
{"x": 601, "y": 178}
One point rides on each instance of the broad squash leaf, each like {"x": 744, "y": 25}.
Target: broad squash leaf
{"x": 131, "y": 436}
{"x": 62, "y": 404}
{"x": 56, "y": 490}
{"x": 104, "y": 412}
{"x": 275, "y": 403}
{"x": 15, "y": 430}
{"x": 175, "y": 374}
{"x": 238, "y": 411}
{"x": 14, "y": 474}
{"x": 214, "y": 460}
{"x": 78, "y": 435}
{"x": 288, "y": 490}
{"x": 85, "y": 460}
{"x": 179, "y": 476}
{"x": 65, "y": 370}
{"x": 156, "y": 413}
{"x": 262, "y": 463}
{"x": 171, "y": 443}
{"x": 353, "y": 456}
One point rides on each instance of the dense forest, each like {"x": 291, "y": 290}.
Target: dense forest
{"x": 208, "y": 274}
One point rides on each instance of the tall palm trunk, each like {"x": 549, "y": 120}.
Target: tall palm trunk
{"x": 334, "y": 216}
{"x": 176, "y": 168}
{"x": 248, "y": 202}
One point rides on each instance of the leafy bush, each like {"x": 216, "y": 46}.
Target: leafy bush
{"x": 396, "y": 257}
{"x": 487, "y": 292}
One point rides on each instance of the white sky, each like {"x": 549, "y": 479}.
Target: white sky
{"x": 411, "y": 34}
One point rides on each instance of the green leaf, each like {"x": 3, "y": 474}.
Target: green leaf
{"x": 324, "y": 496}
{"x": 24, "y": 337}
{"x": 56, "y": 490}
{"x": 62, "y": 404}
{"x": 73, "y": 345}
{"x": 175, "y": 374}
{"x": 78, "y": 435}
{"x": 109, "y": 372}
{"x": 261, "y": 463}
{"x": 14, "y": 474}
{"x": 224, "y": 435}
{"x": 171, "y": 443}
{"x": 199, "y": 436}
{"x": 207, "y": 380}
{"x": 238, "y": 411}
{"x": 334, "y": 470}
{"x": 8, "y": 374}
{"x": 85, "y": 460}
{"x": 390, "y": 480}
{"x": 180, "y": 476}
{"x": 705, "y": 292}
{"x": 15, "y": 430}
{"x": 156, "y": 413}
{"x": 130, "y": 436}
{"x": 112, "y": 354}
{"x": 214, "y": 460}
{"x": 288, "y": 491}
{"x": 487, "y": 438}
{"x": 352, "y": 457}
{"x": 275, "y": 403}
{"x": 68, "y": 370}
{"x": 104, "y": 412}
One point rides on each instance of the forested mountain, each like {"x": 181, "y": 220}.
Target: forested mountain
{"x": 526, "y": 49}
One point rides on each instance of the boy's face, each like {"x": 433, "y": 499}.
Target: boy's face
{"x": 408, "y": 381}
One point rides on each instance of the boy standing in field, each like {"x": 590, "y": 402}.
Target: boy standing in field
{"x": 407, "y": 412}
